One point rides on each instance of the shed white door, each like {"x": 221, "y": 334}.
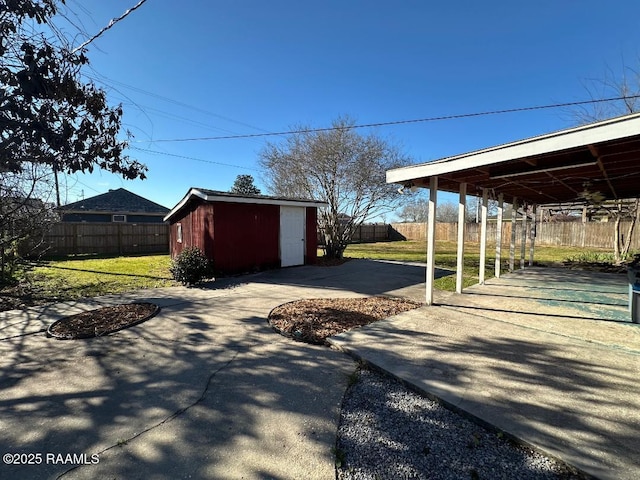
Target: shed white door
{"x": 292, "y": 223}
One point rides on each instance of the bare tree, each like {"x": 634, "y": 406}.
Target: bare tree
{"x": 447, "y": 212}
{"x": 415, "y": 209}
{"x": 474, "y": 205}
{"x": 339, "y": 166}
{"x": 626, "y": 87}
{"x": 26, "y": 213}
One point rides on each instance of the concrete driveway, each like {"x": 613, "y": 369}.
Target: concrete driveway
{"x": 203, "y": 390}
{"x": 207, "y": 390}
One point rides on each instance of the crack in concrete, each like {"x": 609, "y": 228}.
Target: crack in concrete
{"x": 164, "y": 421}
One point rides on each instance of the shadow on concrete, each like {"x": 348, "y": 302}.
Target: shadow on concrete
{"x": 198, "y": 392}
{"x": 366, "y": 277}
{"x": 179, "y": 396}
{"x": 576, "y": 401}
{"x": 570, "y": 297}
{"x": 583, "y": 315}
{"x": 551, "y": 292}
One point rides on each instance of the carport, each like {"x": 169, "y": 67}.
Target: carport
{"x": 582, "y": 165}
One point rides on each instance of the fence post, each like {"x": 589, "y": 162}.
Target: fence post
{"x": 584, "y": 225}
{"x": 120, "y": 238}
{"x": 74, "y": 243}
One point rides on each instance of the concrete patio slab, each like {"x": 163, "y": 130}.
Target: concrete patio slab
{"x": 205, "y": 389}
{"x": 547, "y": 370}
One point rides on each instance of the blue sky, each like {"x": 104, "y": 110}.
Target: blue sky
{"x": 211, "y": 68}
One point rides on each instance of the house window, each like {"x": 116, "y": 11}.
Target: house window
{"x": 179, "y": 233}
{"x": 118, "y": 218}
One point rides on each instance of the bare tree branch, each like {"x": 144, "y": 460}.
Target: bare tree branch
{"x": 340, "y": 167}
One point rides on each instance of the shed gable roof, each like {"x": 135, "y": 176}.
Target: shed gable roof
{"x": 226, "y": 197}
{"x": 116, "y": 201}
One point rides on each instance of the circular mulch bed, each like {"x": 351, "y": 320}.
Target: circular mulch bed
{"x": 313, "y": 320}
{"x": 102, "y": 321}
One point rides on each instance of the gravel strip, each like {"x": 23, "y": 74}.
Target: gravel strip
{"x": 389, "y": 432}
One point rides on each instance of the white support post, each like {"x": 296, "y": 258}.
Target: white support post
{"x": 483, "y": 234}
{"x": 584, "y": 226}
{"x": 512, "y": 245}
{"x": 462, "y": 203}
{"x": 499, "y": 233}
{"x": 533, "y": 235}
{"x": 523, "y": 243}
{"x": 431, "y": 238}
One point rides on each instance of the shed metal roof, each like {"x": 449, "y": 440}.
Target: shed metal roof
{"x": 596, "y": 160}
{"x": 217, "y": 196}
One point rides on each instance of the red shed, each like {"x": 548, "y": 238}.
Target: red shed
{"x": 243, "y": 233}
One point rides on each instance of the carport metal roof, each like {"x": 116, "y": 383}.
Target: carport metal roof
{"x": 598, "y": 160}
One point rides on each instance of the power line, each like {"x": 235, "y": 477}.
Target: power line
{"x": 193, "y": 158}
{"x": 401, "y": 122}
{"x": 109, "y": 82}
{"x": 111, "y": 24}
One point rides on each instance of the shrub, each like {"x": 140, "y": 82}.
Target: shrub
{"x": 190, "y": 266}
{"x": 592, "y": 257}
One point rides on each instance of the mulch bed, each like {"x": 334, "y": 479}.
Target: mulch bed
{"x": 102, "y": 321}
{"x": 21, "y": 295}
{"x": 313, "y": 320}
{"x": 330, "y": 262}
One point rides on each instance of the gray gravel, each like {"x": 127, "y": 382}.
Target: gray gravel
{"x": 389, "y": 432}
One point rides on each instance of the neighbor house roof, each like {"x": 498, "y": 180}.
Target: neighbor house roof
{"x": 599, "y": 159}
{"x": 217, "y": 196}
{"x": 119, "y": 200}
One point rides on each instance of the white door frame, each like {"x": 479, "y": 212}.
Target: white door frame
{"x": 292, "y": 235}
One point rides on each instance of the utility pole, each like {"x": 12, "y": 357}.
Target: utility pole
{"x": 55, "y": 176}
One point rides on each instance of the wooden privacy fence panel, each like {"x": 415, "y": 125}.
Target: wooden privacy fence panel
{"x": 576, "y": 234}
{"x": 371, "y": 233}
{"x": 107, "y": 238}
{"x": 368, "y": 232}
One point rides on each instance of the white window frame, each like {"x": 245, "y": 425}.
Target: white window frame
{"x": 124, "y": 218}
{"x": 179, "y": 232}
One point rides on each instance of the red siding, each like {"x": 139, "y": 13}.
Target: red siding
{"x": 311, "y": 254}
{"x": 238, "y": 237}
{"x": 184, "y": 220}
{"x": 197, "y": 228}
{"x": 246, "y": 237}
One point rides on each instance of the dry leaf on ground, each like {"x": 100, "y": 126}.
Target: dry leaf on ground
{"x": 314, "y": 320}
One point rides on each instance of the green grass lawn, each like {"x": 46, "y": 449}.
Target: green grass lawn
{"x": 86, "y": 276}
{"x": 446, "y": 257}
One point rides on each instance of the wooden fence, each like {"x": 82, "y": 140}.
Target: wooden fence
{"x": 132, "y": 238}
{"x": 371, "y": 233}
{"x": 107, "y": 238}
{"x": 367, "y": 233}
{"x": 576, "y": 234}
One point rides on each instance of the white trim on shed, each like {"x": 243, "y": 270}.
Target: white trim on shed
{"x": 215, "y": 196}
